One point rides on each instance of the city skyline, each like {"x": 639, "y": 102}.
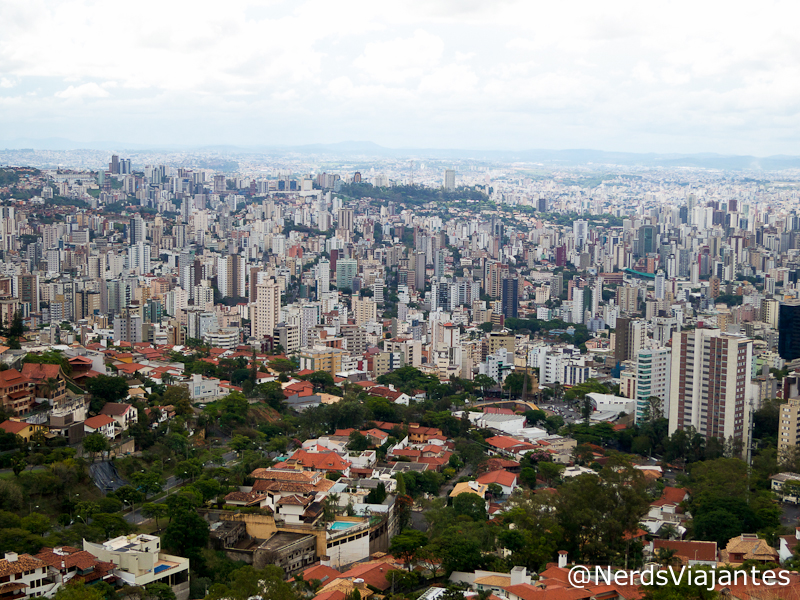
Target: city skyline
{"x": 406, "y": 74}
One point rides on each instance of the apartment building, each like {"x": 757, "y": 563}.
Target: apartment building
{"x": 709, "y": 384}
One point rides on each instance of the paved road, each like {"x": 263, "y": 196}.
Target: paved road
{"x": 791, "y": 515}
{"x": 136, "y": 517}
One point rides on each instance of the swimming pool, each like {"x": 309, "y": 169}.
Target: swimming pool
{"x": 337, "y": 525}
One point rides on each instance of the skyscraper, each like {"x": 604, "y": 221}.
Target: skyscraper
{"x": 266, "y": 309}
{"x": 419, "y": 271}
{"x": 653, "y": 368}
{"x": 346, "y": 270}
{"x": 230, "y": 276}
{"x": 580, "y": 229}
{"x": 710, "y": 381}
{"x": 510, "y": 297}
{"x": 789, "y": 330}
{"x": 450, "y": 180}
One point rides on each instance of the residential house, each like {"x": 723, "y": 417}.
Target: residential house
{"x": 125, "y": 415}
{"x": 100, "y": 424}
{"x": 787, "y": 544}
{"x": 139, "y": 561}
{"x": 667, "y": 510}
{"x": 748, "y": 546}
{"x": 49, "y": 381}
{"x": 507, "y": 481}
{"x": 421, "y": 435}
{"x": 786, "y": 486}
{"x": 21, "y": 428}
{"x": 16, "y": 392}
{"x": 24, "y": 576}
{"x": 68, "y": 565}
{"x": 469, "y": 487}
{"x": 690, "y": 553}
{"x": 327, "y": 462}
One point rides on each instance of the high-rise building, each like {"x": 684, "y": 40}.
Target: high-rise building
{"x": 419, "y": 271}
{"x": 450, "y": 180}
{"x": 365, "y": 310}
{"x": 138, "y": 230}
{"x": 770, "y": 311}
{"x": 789, "y": 330}
{"x": 128, "y": 328}
{"x": 580, "y": 229}
{"x": 788, "y": 427}
{"x": 345, "y": 217}
{"x": 323, "y": 271}
{"x": 230, "y": 276}
{"x": 346, "y": 270}
{"x": 266, "y": 310}
{"x": 510, "y": 297}
{"x": 653, "y": 368}
{"x": 139, "y": 257}
{"x": 630, "y": 337}
{"x": 710, "y": 381}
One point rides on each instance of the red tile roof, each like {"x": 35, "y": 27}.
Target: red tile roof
{"x": 13, "y": 426}
{"x": 98, "y": 421}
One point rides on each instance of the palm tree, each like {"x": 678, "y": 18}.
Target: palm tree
{"x": 667, "y": 557}
{"x": 668, "y": 531}
{"x": 50, "y": 387}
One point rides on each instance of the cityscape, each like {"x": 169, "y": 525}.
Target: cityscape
{"x": 418, "y": 378}
{"x": 399, "y": 301}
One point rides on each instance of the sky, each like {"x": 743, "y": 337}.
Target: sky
{"x": 669, "y": 76}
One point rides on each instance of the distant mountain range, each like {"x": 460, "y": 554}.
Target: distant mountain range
{"x": 366, "y": 150}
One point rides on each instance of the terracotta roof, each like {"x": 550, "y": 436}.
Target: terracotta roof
{"x": 40, "y": 372}
{"x": 71, "y": 557}
{"x": 12, "y": 377}
{"x": 706, "y": 551}
{"x": 246, "y": 497}
{"x": 322, "y": 461}
{"x": 500, "y": 477}
{"x": 115, "y": 409}
{"x": 13, "y": 426}
{"x": 98, "y": 421}
{"x": 24, "y": 562}
{"x": 320, "y": 573}
{"x": 670, "y": 495}
{"x": 373, "y": 573}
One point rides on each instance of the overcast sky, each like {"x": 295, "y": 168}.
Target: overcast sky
{"x": 668, "y": 76}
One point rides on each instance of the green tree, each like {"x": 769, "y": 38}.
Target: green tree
{"x": 471, "y": 506}
{"x": 188, "y": 469}
{"x": 357, "y": 442}
{"x": 95, "y": 443}
{"x": 484, "y": 382}
{"x": 154, "y": 510}
{"x": 106, "y": 388}
{"x": 248, "y": 581}
{"x": 78, "y": 590}
{"x": 187, "y": 532}
{"x": 406, "y": 545}
{"x": 36, "y": 523}
{"x": 159, "y": 591}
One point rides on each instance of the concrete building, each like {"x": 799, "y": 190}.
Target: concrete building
{"x": 710, "y": 384}
{"x": 139, "y": 562}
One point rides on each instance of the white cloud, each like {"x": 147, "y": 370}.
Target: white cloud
{"x": 498, "y": 74}
{"x": 87, "y": 90}
{"x": 401, "y": 59}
